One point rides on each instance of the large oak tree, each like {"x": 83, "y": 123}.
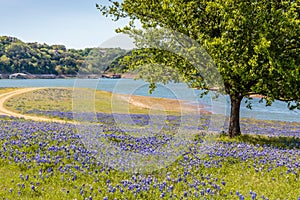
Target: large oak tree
{"x": 254, "y": 43}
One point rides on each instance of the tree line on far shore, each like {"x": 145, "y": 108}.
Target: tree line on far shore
{"x": 35, "y": 58}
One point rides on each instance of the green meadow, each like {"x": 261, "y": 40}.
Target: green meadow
{"x": 47, "y": 160}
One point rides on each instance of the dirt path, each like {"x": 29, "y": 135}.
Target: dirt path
{"x": 3, "y": 111}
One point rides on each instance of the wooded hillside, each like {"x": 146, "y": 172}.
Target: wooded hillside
{"x": 35, "y": 58}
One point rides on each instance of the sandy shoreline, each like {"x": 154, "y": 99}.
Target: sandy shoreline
{"x": 259, "y": 96}
{"x": 166, "y": 104}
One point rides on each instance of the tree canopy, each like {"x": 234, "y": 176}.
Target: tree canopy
{"x": 35, "y": 58}
{"x": 254, "y": 44}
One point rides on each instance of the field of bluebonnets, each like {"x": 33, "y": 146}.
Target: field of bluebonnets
{"x": 47, "y": 160}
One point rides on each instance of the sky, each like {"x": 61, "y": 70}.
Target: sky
{"x": 73, "y": 23}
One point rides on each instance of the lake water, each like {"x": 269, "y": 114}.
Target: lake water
{"x": 278, "y": 110}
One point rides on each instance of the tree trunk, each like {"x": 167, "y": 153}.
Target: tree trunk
{"x": 234, "y": 121}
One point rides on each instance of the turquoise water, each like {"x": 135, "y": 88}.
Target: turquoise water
{"x": 278, "y": 110}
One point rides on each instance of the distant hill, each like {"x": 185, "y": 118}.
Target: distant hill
{"x": 17, "y": 56}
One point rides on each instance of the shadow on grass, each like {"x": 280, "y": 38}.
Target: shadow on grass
{"x": 263, "y": 140}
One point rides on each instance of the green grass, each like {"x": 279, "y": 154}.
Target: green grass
{"x": 279, "y": 141}
{"x": 5, "y": 90}
{"x": 62, "y": 99}
{"x": 238, "y": 175}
